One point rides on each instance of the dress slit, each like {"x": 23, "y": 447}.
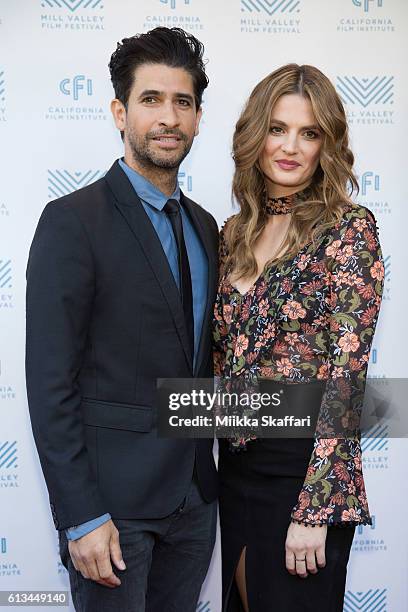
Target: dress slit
{"x": 232, "y": 598}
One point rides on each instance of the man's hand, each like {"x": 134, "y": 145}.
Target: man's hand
{"x": 305, "y": 549}
{"x": 92, "y": 554}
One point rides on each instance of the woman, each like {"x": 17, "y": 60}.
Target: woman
{"x": 299, "y": 295}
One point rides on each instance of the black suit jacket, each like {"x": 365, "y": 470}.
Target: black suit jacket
{"x": 104, "y": 321}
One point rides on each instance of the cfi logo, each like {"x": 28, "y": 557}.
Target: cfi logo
{"x": 8, "y": 454}
{"x": 361, "y": 528}
{"x": 3, "y": 545}
{"x": 62, "y": 182}
{"x": 369, "y": 181}
{"x": 270, "y": 7}
{"x": 203, "y": 607}
{"x": 365, "y": 91}
{"x": 372, "y": 600}
{"x": 173, "y": 3}
{"x": 2, "y": 86}
{"x": 72, "y": 5}
{"x": 366, "y": 4}
{"x": 185, "y": 180}
{"x": 75, "y": 85}
{"x": 5, "y": 274}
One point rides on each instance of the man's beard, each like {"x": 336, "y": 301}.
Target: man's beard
{"x": 147, "y": 157}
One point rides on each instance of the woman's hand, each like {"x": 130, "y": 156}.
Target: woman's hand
{"x": 305, "y": 549}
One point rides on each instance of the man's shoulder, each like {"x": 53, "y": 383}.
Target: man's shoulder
{"x": 204, "y": 214}
{"x": 91, "y": 195}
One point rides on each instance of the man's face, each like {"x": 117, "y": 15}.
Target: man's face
{"x": 161, "y": 120}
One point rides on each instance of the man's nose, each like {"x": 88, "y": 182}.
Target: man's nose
{"x": 168, "y": 115}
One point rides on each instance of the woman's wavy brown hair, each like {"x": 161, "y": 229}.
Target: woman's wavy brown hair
{"x": 333, "y": 182}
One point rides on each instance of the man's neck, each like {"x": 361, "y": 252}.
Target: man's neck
{"x": 164, "y": 179}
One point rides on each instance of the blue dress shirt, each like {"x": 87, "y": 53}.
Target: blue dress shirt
{"x": 153, "y": 201}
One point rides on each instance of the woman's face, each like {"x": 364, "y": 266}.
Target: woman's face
{"x": 292, "y": 150}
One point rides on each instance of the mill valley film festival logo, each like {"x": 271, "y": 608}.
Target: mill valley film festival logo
{"x": 270, "y": 16}
{"x": 368, "y": 100}
{"x": 75, "y": 101}
{"x": 375, "y": 446}
{"x": 2, "y": 96}
{"x": 6, "y": 296}
{"x": 366, "y": 538}
{"x": 70, "y": 15}
{"x": 175, "y": 13}
{"x": 371, "y": 193}
{"x": 373, "y": 600}
{"x": 63, "y": 182}
{"x": 365, "y": 16}
{"x": 8, "y": 465}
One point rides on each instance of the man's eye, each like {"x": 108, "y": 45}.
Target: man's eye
{"x": 184, "y": 102}
{"x": 149, "y": 99}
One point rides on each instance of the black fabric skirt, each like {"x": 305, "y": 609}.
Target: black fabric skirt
{"x": 258, "y": 489}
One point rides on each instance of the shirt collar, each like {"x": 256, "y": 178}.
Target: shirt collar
{"x": 146, "y": 190}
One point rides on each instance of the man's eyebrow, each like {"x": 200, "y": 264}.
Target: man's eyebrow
{"x": 305, "y": 127}
{"x": 156, "y": 92}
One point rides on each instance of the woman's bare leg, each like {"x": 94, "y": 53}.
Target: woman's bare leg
{"x": 241, "y": 580}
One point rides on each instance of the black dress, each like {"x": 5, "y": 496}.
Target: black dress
{"x": 258, "y": 489}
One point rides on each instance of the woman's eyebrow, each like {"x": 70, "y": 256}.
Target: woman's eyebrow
{"x": 304, "y": 127}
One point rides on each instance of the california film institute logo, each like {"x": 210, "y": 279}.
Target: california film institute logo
{"x": 75, "y": 100}
{"x": 368, "y": 100}
{"x": 270, "y": 16}
{"x": 367, "y": 539}
{"x": 371, "y": 194}
{"x": 173, "y": 3}
{"x": 175, "y": 13}
{"x": 7, "y": 567}
{"x": 72, "y": 15}
{"x": 203, "y": 606}
{"x": 7, "y": 392}
{"x": 185, "y": 181}
{"x": 2, "y": 96}
{"x": 372, "y": 600}
{"x": 364, "y": 16}
{"x": 62, "y": 182}
{"x": 6, "y": 284}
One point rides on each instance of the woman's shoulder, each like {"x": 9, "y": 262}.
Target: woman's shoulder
{"x": 353, "y": 211}
{"x": 225, "y": 226}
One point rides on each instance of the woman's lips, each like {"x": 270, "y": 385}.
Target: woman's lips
{"x": 287, "y": 165}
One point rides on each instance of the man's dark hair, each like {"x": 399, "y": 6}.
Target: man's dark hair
{"x": 170, "y": 46}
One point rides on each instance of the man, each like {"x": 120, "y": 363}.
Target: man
{"x": 121, "y": 280}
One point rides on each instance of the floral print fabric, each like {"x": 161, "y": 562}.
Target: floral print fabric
{"x": 313, "y": 317}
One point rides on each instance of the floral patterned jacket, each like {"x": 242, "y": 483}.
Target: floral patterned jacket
{"x": 313, "y": 317}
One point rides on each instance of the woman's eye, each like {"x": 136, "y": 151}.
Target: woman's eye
{"x": 311, "y": 134}
{"x": 275, "y": 130}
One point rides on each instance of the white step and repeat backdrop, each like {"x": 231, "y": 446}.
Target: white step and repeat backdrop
{"x": 57, "y": 135}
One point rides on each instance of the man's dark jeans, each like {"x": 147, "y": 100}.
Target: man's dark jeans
{"x": 166, "y": 562}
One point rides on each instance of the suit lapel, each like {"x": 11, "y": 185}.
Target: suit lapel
{"x": 131, "y": 208}
{"x": 204, "y": 234}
